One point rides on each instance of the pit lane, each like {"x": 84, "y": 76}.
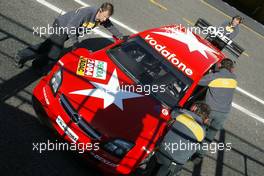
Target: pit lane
{"x": 19, "y": 127}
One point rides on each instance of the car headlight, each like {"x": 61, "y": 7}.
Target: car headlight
{"x": 55, "y": 81}
{"x": 118, "y": 147}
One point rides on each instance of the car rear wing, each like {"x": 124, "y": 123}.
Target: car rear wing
{"x": 231, "y": 46}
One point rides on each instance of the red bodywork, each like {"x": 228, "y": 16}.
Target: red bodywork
{"x": 142, "y": 120}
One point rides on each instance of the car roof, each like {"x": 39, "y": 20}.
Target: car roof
{"x": 190, "y": 53}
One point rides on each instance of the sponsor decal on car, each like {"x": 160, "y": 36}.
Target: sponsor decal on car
{"x": 169, "y": 55}
{"x": 91, "y": 68}
{"x": 66, "y": 129}
{"x": 103, "y": 160}
{"x": 111, "y": 92}
{"x": 45, "y": 96}
{"x": 187, "y": 38}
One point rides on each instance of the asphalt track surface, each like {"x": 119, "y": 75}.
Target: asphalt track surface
{"x": 19, "y": 127}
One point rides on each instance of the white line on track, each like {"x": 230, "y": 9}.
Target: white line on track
{"x": 134, "y": 31}
{"x": 51, "y": 6}
{"x": 60, "y": 11}
{"x": 250, "y": 95}
{"x": 242, "y": 109}
{"x": 249, "y": 113}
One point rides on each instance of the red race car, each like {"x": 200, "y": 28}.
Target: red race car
{"x": 119, "y": 98}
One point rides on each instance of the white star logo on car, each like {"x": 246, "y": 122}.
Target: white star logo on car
{"x": 188, "y": 38}
{"x": 110, "y": 92}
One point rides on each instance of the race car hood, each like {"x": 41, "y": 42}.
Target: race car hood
{"x": 187, "y": 51}
{"x": 93, "y": 84}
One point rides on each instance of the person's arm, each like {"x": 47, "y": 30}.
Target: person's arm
{"x": 111, "y": 28}
{"x": 234, "y": 33}
{"x": 206, "y": 79}
{"x": 75, "y": 22}
{"x": 225, "y": 23}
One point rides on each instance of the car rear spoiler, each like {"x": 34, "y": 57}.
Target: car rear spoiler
{"x": 230, "y": 45}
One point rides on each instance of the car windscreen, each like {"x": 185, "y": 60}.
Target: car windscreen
{"x": 147, "y": 67}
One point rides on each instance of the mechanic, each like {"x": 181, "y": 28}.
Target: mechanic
{"x": 81, "y": 20}
{"x": 220, "y": 90}
{"x": 230, "y": 30}
{"x": 188, "y": 127}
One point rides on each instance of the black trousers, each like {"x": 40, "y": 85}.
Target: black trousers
{"x": 50, "y": 49}
{"x": 167, "y": 166}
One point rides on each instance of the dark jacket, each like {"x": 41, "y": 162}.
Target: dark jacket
{"x": 187, "y": 129}
{"x": 84, "y": 18}
{"x": 230, "y": 32}
{"x": 221, "y": 87}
